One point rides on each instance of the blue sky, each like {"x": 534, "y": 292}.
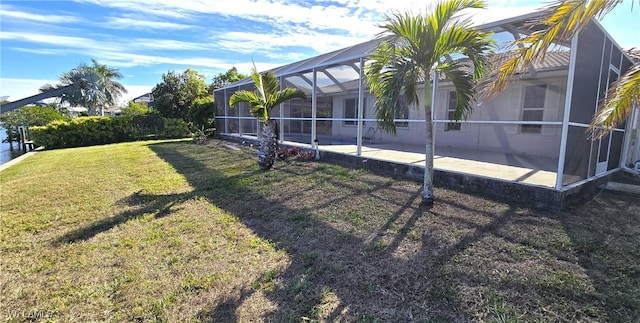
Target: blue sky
{"x": 39, "y": 40}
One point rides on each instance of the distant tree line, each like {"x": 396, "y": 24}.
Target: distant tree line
{"x": 183, "y": 96}
{"x": 186, "y": 95}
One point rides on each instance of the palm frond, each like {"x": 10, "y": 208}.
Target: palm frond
{"x": 286, "y": 95}
{"x": 622, "y": 96}
{"x": 47, "y": 87}
{"x": 411, "y": 48}
{"x": 257, "y": 80}
{"x": 399, "y": 77}
{"x": 270, "y": 85}
{"x": 566, "y": 18}
{"x": 465, "y": 91}
{"x": 243, "y": 96}
{"x": 266, "y": 96}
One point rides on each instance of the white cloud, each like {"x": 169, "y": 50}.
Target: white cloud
{"x": 277, "y": 13}
{"x": 51, "y": 39}
{"x": 146, "y": 7}
{"x": 18, "y": 89}
{"x": 41, "y": 51}
{"x": 84, "y": 43}
{"x": 249, "y": 42}
{"x": 284, "y": 31}
{"x": 9, "y": 12}
{"x": 322, "y": 25}
{"x": 141, "y": 23}
{"x": 116, "y": 53}
{"x": 169, "y": 44}
{"x": 21, "y": 88}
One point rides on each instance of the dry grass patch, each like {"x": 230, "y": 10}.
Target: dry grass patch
{"x": 170, "y": 231}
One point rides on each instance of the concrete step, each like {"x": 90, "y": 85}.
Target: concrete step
{"x": 622, "y": 187}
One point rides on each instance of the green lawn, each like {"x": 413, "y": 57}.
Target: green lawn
{"x": 172, "y": 231}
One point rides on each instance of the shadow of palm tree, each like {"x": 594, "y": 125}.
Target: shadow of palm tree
{"x": 399, "y": 263}
{"x": 606, "y": 236}
{"x": 370, "y": 280}
{"x": 140, "y": 204}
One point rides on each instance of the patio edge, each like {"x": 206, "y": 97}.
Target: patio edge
{"x": 538, "y": 197}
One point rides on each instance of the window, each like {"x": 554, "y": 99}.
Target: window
{"x": 533, "y": 108}
{"x": 451, "y": 110}
{"x": 402, "y": 112}
{"x": 351, "y": 110}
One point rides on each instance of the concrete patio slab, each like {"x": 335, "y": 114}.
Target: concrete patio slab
{"x": 528, "y": 175}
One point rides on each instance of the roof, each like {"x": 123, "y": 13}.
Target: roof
{"x": 146, "y": 96}
{"x": 634, "y": 53}
{"x": 481, "y": 18}
{"x": 554, "y": 61}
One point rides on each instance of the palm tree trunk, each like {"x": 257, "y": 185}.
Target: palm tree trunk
{"x": 268, "y": 144}
{"x": 427, "y": 188}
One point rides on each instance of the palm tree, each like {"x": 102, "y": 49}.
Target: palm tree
{"x": 565, "y": 19}
{"x": 417, "y": 47}
{"x": 100, "y": 89}
{"x": 261, "y": 101}
{"x": 111, "y": 89}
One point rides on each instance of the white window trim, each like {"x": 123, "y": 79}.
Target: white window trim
{"x": 448, "y": 113}
{"x": 354, "y": 120}
{"x": 523, "y": 109}
{"x": 407, "y": 123}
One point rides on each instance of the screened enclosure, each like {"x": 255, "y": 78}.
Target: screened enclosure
{"x": 536, "y": 128}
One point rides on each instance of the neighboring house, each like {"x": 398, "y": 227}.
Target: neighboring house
{"x": 77, "y": 111}
{"x": 542, "y": 117}
{"x": 113, "y": 112}
{"x": 146, "y": 98}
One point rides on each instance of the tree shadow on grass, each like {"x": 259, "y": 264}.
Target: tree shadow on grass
{"x": 606, "y": 236}
{"x": 408, "y": 265}
{"x": 327, "y": 260}
{"x": 157, "y": 205}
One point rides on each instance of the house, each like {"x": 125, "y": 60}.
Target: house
{"x": 539, "y": 123}
{"x": 146, "y": 98}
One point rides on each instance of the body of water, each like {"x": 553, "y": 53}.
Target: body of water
{"x": 5, "y": 152}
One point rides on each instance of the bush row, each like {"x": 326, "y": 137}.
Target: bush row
{"x": 88, "y": 131}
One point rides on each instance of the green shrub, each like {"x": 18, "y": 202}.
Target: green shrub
{"x": 174, "y": 128}
{"x": 135, "y": 109}
{"x": 203, "y": 113}
{"x": 30, "y": 116}
{"x": 89, "y": 131}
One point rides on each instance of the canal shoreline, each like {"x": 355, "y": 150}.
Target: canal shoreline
{"x": 16, "y": 160}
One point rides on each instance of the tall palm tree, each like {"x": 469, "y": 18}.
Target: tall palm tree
{"x": 266, "y": 96}
{"x": 111, "y": 88}
{"x": 565, "y": 19}
{"x": 417, "y": 47}
{"x": 101, "y": 89}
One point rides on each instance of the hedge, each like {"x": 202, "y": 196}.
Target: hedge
{"x": 89, "y": 131}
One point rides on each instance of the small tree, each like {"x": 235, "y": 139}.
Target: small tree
{"x": 223, "y": 79}
{"x": 176, "y": 93}
{"x": 203, "y": 113}
{"x": 266, "y": 96}
{"x": 414, "y": 48}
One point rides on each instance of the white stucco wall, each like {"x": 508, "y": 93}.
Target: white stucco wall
{"x": 507, "y": 107}
{"x": 339, "y": 129}
{"x": 490, "y": 137}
